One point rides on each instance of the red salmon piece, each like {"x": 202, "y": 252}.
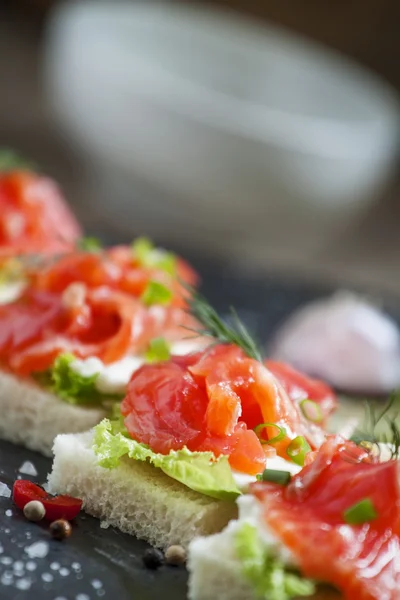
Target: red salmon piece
{"x": 299, "y": 386}
{"x": 308, "y": 515}
{"x": 102, "y": 323}
{"x": 212, "y": 400}
{"x": 34, "y": 216}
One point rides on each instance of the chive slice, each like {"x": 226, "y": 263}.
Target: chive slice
{"x": 277, "y": 438}
{"x": 361, "y": 512}
{"x": 10, "y": 161}
{"x": 298, "y": 449}
{"x": 149, "y": 256}
{"x": 157, "y": 351}
{"x": 142, "y": 247}
{"x": 311, "y": 410}
{"x": 156, "y": 293}
{"x": 89, "y": 244}
{"x": 275, "y": 476}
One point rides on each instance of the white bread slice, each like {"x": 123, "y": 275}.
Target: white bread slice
{"x": 215, "y": 570}
{"x": 33, "y": 417}
{"x": 136, "y": 497}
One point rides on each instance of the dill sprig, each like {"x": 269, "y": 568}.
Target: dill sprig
{"x": 234, "y": 332}
{"x": 375, "y": 418}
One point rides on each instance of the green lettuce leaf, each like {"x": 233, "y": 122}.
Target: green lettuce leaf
{"x": 73, "y": 387}
{"x": 267, "y": 574}
{"x": 200, "y": 471}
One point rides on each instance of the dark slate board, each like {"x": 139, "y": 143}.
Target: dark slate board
{"x": 94, "y": 562}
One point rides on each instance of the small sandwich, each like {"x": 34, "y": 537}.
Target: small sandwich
{"x": 189, "y": 437}
{"x": 34, "y": 220}
{"x": 331, "y": 531}
{"x": 83, "y": 324}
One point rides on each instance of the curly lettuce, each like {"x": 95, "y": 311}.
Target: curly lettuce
{"x": 267, "y": 574}
{"x": 74, "y": 388}
{"x": 199, "y": 471}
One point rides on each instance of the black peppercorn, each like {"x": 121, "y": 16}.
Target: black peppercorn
{"x": 153, "y": 558}
{"x": 60, "y": 529}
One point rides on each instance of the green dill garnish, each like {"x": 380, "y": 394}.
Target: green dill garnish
{"x": 214, "y": 326}
{"x": 10, "y": 161}
{"x": 374, "y": 419}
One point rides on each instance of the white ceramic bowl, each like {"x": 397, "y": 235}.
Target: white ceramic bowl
{"x": 247, "y": 132}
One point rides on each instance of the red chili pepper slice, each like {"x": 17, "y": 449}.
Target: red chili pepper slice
{"x": 57, "y": 507}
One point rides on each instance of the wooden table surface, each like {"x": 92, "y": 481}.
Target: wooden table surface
{"x": 368, "y": 254}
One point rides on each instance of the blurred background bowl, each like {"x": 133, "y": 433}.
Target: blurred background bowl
{"x": 245, "y": 134}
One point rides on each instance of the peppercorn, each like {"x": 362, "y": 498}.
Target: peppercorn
{"x": 175, "y": 555}
{"x": 153, "y": 558}
{"x": 34, "y": 510}
{"x": 60, "y": 529}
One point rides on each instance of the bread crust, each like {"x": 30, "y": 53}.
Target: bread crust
{"x": 32, "y": 417}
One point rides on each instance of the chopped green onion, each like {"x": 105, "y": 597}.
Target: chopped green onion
{"x": 11, "y": 270}
{"x": 10, "y": 161}
{"x": 277, "y": 438}
{"x": 311, "y": 410}
{"x": 149, "y": 256}
{"x": 166, "y": 262}
{"x": 157, "y": 351}
{"x": 142, "y": 247}
{"x": 275, "y": 476}
{"x": 89, "y": 244}
{"x": 156, "y": 293}
{"x": 298, "y": 449}
{"x": 361, "y": 512}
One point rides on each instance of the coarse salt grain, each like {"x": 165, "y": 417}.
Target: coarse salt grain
{"x": 7, "y": 578}
{"x": 18, "y": 566}
{"x": 28, "y": 468}
{"x": 23, "y": 584}
{"x": 5, "y": 491}
{"x": 37, "y": 550}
